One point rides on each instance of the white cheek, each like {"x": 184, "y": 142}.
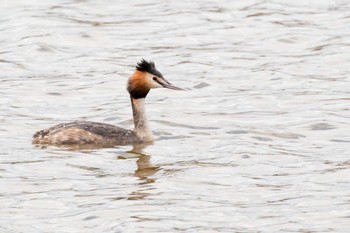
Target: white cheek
{"x": 150, "y": 82}
{"x": 155, "y": 85}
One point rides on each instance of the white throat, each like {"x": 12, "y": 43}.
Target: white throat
{"x": 141, "y": 129}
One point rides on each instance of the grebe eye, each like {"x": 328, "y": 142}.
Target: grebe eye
{"x": 154, "y": 78}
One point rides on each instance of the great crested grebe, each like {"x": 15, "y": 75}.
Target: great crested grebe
{"x": 145, "y": 77}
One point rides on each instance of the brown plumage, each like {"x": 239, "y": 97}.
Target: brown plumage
{"x": 138, "y": 87}
{"x": 85, "y": 132}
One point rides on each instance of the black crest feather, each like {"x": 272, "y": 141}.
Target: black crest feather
{"x": 149, "y": 67}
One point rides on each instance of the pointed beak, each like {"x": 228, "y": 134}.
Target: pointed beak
{"x": 171, "y": 86}
{"x": 168, "y": 85}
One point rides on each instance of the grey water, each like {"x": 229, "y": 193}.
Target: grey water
{"x": 259, "y": 144}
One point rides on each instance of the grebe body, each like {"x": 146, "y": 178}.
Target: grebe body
{"x": 145, "y": 77}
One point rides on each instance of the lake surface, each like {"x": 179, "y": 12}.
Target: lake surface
{"x": 259, "y": 144}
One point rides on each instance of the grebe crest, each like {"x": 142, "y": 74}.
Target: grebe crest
{"x": 145, "y": 78}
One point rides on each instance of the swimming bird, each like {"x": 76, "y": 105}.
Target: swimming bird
{"x": 144, "y": 78}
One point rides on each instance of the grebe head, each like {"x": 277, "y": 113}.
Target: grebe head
{"x": 146, "y": 77}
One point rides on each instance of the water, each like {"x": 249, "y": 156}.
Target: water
{"x": 260, "y": 143}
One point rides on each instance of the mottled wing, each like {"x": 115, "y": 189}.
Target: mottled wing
{"x": 84, "y": 132}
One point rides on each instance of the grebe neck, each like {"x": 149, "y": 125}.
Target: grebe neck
{"x": 141, "y": 129}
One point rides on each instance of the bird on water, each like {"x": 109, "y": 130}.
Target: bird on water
{"x": 145, "y": 78}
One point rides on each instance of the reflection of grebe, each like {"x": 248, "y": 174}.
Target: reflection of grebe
{"x": 145, "y": 77}
{"x": 144, "y": 166}
{"x": 144, "y": 172}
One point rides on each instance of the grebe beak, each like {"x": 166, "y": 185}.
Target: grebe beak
{"x": 164, "y": 83}
{"x": 171, "y": 86}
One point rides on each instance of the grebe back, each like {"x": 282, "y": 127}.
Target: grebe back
{"x": 145, "y": 78}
